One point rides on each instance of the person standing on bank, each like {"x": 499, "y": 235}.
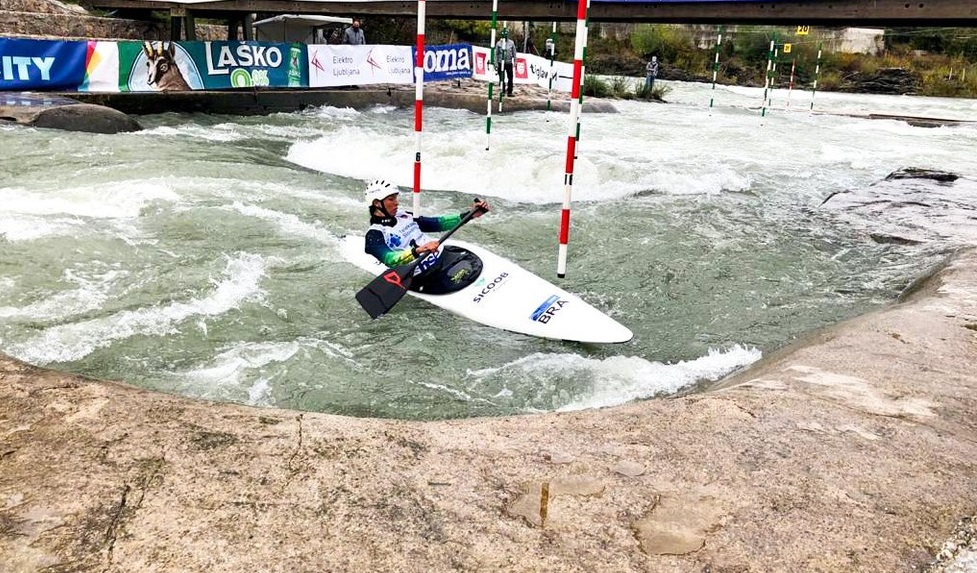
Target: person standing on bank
{"x": 354, "y": 35}
{"x": 651, "y": 72}
{"x": 397, "y": 238}
{"x": 505, "y": 61}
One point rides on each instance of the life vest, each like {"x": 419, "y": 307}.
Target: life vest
{"x": 405, "y": 234}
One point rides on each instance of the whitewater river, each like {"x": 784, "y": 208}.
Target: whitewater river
{"x": 201, "y": 256}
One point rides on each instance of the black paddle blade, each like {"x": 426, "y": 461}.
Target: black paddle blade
{"x": 385, "y": 290}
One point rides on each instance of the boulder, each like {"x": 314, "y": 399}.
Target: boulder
{"x": 58, "y": 112}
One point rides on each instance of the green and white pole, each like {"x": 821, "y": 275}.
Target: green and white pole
{"x": 551, "y": 48}
{"x": 766, "y": 81}
{"x": 715, "y": 66}
{"x": 773, "y": 74}
{"x": 790, "y": 83}
{"x": 817, "y": 74}
{"x": 491, "y": 82}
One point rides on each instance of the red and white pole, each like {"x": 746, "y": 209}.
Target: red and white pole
{"x": 576, "y": 99}
{"x": 418, "y": 104}
{"x": 583, "y": 76}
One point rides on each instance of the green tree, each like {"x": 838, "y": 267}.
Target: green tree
{"x": 661, "y": 39}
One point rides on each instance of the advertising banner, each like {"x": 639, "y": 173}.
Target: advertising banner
{"x": 250, "y": 64}
{"x": 446, "y": 62}
{"x": 41, "y": 64}
{"x": 528, "y": 69}
{"x": 540, "y": 71}
{"x": 340, "y": 65}
{"x": 157, "y": 66}
{"x": 181, "y": 66}
{"x": 101, "y": 68}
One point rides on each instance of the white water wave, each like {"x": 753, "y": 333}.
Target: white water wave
{"x": 289, "y": 223}
{"x": 239, "y": 284}
{"x": 619, "y": 379}
{"x": 248, "y": 372}
{"x": 121, "y": 199}
{"x": 90, "y": 295}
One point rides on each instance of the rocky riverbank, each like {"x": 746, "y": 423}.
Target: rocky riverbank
{"x": 854, "y": 450}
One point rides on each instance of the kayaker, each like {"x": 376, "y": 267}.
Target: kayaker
{"x": 397, "y": 237}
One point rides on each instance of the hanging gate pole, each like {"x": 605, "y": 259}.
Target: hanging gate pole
{"x": 573, "y": 129}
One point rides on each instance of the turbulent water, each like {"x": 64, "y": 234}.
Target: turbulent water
{"x": 201, "y": 256}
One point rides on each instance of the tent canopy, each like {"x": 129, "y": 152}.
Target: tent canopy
{"x": 297, "y": 28}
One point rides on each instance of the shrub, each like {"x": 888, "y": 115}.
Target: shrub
{"x": 595, "y": 87}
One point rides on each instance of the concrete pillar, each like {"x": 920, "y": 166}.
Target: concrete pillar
{"x": 232, "y": 24}
{"x": 177, "y": 13}
{"x": 248, "y": 26}
{"x": 191, "y": 26}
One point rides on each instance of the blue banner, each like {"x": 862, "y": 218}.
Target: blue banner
{"x": 41, "y": 64}
{"x": 249, "y": 64}
{"x": 446, "y": 62}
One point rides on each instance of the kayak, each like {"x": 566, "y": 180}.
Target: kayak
{"x": 509, "y": 297}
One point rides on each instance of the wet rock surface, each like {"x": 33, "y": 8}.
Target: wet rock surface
{"x": 57, "y": 112}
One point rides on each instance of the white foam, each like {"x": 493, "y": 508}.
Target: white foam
{"x": 91, "y": 294}
{"x": 69, "y": 342}
{"x": 30, "y": 228}
{"x": 225, "y": 375}
{"x": 289, "y": 223}
{"x": 218, "y": 133}
{"x": 120, "y": 199}
{"x": 621, "y": 379}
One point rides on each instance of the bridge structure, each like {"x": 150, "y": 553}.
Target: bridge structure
{"x": 903, "y": 13}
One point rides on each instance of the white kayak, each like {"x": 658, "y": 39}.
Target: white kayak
{"x": 509, "y": 297}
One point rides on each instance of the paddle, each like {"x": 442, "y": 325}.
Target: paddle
{"x": 386, "y": 290}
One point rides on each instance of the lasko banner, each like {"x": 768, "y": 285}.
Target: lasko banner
{"x": 446, "y": 62}
{"x": 157, "y": 66}
{"x": 41, "y": 64}
{"x": 335, "y": 65}
{"x": 528, "y": 69}
{"x": 251, "y": 64}
{"x": 182, "y": 66}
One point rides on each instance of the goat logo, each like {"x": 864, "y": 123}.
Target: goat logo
{"x": 162, "y": 71}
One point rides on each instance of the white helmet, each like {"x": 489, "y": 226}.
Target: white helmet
{"x": 378, "y": 189}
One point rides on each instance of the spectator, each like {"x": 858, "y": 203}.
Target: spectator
{"x": 354, "y": 35}
{"x": 651, "y": 72}
{"x": 505, "y": 61}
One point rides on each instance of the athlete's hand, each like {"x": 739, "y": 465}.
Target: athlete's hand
{"x": 480, "y": 208}
{"x": 428, "y": 247}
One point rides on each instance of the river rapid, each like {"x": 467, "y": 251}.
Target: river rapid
{"x": 201, "y": 256}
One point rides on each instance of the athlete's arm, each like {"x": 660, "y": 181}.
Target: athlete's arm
{"x": 377, "y": 246}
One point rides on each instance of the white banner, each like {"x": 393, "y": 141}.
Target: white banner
{"x": 102, "y": 73}
{"x": 340, "y": 65}
{"x": 529, "y": 69}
